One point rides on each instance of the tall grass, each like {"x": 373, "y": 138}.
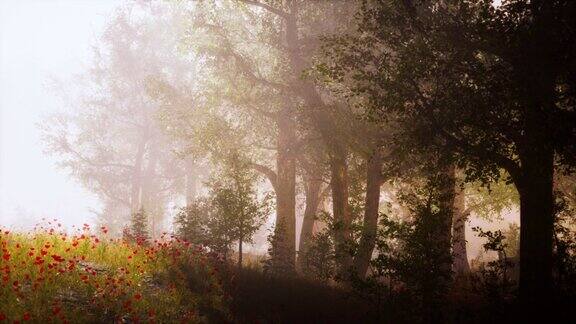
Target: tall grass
{"x": 86, "y": 277}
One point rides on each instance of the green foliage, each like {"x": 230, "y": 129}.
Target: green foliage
{"x": 410, "y": 255}
{"x": 512, "y": 235}
{"x": 494, "y": 281}
{"x": 565, "y": 248}
{"x": 191, "y": 222}
{"x": 238, "y": 212}
{"x": 138, "y": 231}
{"x": 320, "y": 258}
{"x": 274, "y": 264}
{"x": 490, "y": 200}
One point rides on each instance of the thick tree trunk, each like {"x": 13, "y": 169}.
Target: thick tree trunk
{"x": 286, "y": 192}
{"x": 371, "y": 212}
{"x": 341, "y": 210}
{"x": 460, "y": 263}
{"x": 536, "y": 225}
{"x": 312, "y": 188}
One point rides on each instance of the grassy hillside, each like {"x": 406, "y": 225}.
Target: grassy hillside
{"x": 50, "y": 276}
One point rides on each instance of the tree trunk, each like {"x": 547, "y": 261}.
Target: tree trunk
{"x": 191, "y": 181}
{"x": 447, "y": 183}
{"x": 340, "y": 210}
{"x": 460, "y": 263}
{"x": 312, "y": 189}
{"x": 136, "y": 184}
{"x": 240, "y": 253}
{"x": 148, "y": 199}
{"x": 286, "y": 192}
{"x": 371, "y": 212}
{"x": 536, "y": 225}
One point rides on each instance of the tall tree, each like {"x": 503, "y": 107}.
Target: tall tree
{"x": 491, "y": 85}
{"x": 109, "y": 139}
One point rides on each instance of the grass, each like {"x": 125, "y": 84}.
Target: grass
{"x": 49, "y": 276}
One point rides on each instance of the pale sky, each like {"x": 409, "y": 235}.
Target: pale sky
{"x": 40, "y": 40}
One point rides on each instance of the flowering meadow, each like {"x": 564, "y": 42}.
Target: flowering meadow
{"x": 51, "y": 276}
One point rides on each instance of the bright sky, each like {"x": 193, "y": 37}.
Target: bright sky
{"x": 41, "y": 39}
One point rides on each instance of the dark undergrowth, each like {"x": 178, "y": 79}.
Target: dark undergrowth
{"x": 259, "y": 298}
{"x": 255, "y": 297}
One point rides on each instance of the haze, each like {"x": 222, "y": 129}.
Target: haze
{"x": 41, "y": 40}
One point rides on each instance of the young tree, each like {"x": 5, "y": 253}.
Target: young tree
{"x": 238, "y": 213}
{"x": 191, "y": 221}
{"x": 138, "y": 230}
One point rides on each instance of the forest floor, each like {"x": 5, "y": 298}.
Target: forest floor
{"x": 53, "y": 277}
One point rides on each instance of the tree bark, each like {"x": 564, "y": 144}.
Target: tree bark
{"x": 312, "y": 188}
{"x": 460, "y": 263}
{"x": 447, "y": 183}
{"x": 536, "y": 225}
{"x": 371, "y": 212}
{"x": 341, "y": 210}
{"x": 286, "y": 191}
{"x": 240, "y": 253}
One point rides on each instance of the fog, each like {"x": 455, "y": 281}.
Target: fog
{"x": 41, "y": 41}
{"x": 44, "y": 46}
{"x": 291, "y": 161}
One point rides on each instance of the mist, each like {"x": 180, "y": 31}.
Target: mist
{"x": 414, "y": 155}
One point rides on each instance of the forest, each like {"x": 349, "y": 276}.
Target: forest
{"x": 312, "y": 161}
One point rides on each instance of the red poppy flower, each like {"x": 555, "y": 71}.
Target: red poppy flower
{"x": 57, "y": 258}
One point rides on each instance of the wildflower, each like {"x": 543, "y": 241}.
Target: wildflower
{"x": 57, "y": 258}
{"x": 26, "y": 317}
{"x": 137, "y": 296}
{"x": 6, "y": 256}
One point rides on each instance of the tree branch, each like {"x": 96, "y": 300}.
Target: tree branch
{"x": 269, "y": 173}
{"x": 464, "y": 147}
{"x": 266, "y": 7}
